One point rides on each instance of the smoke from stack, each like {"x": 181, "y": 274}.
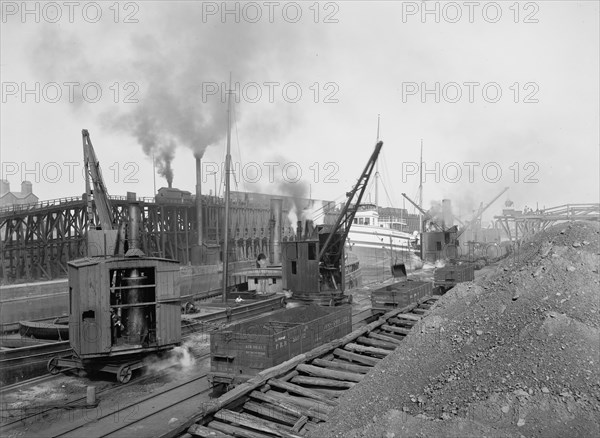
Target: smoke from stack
{"x": 172, "y": 103}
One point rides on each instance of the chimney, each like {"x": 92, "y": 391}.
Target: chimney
{"x": 199, "y": 197}
{"x": 447, "y": 213}
{"x": 299, "y": 231}
{"x": 26, "y": 188}
{"x": 275, "y": 232}
{"x": 170, "y": 183}
{"x": 4, "y": 187}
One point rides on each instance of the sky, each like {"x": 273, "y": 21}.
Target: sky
{"x": 500, "y": 94}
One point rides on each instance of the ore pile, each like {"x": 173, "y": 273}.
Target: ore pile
{"x": 515, "y": 353}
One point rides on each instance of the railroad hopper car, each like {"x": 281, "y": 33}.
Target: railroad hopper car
{"x": 400, "y": 294}
{"x": 121, "y": 309}
{"x": 450, "y": 275}
{"x": 241, "y": 350}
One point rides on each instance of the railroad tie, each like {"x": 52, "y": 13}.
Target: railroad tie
{"x": 255, "y": 423}
{"x": 342, "y": 365}
{"x": 353, "y": 347}
{"x": 376, "y": 343}
{"x": 386, "y": 338}
{"x": 354, "y": 357}
{"x": 394, "y": 329}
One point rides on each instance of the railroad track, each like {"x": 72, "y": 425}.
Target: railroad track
{"x": 41, "y": 411}
{"x": 123, "y": 420}
{"x": 291, "y": 399}
{"x": 117, "y": 422}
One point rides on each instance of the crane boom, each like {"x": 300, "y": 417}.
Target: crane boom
{"x": 100, "y": 195}
{"x": 423, "y": 212}
{"x": 331, "y": 250}
{"x": 480, "y": 212}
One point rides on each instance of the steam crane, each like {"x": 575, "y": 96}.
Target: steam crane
{"x": 332, "y": 250}
{"x": 121, "y": 307}
{"x": 426, "y": 215}
{"x": 314, "y": 268}
{"x": 480, "y": 212}
{"x": 102, "y": 238}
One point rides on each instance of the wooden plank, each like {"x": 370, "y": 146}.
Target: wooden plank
{"x": 289, "y": 375}
{"x": 376, "y": 343}
{"x": 331, "y": 393}
{"x": 205, "y": 432}
{"x": 254, "y": 423}
{"x": 290, "y": 407}
{"x": 396, "y": 336}
{"x": 409, "y": 316}
{"x": 328, "y": 356}
{"x": 300, "y": 424}
{"x": 368, "y": 350}
{"x": 322, "y": 381}
{"x": 313, "y": 406}
{"x": 296, "y": 389}
{"x": 235, "y": 430}
{"x": 353, "y": 357}
{"x": 401, "y": 322}
{"x": 271, "y": 411}
{"x": 419, "y": 311}
{"x": 329, "y": 373}
{"x": 399, "y": 330}
{"x": 337, "y": 365}
{"x": 386, "y": 338}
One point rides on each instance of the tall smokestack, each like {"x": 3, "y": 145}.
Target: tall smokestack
{"x": 275, "y": 232}
{"x": 299, "y": 231}
{"x": 170, "y": 183}
{"x": 447, "y": 213}
{"x": 199, "y": 197}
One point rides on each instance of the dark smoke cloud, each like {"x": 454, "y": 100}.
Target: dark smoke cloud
{"x": 170, "y": 54}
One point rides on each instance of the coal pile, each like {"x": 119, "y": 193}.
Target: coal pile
{"x": 515, "y": 353}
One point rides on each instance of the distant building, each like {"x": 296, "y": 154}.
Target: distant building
{"x": 25, "y": 196}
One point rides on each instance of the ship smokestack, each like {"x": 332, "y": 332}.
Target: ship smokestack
{"x": 309, "y": 229}
{"x": 275, "y": 232}
{"x": 447, "y": 213}
{"x": 198, "y": 197}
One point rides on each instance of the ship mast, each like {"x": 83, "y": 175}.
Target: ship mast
{"x": 227, "y": 189}
{"x": 377, "y": 171}
{"x": 421, "y": 189}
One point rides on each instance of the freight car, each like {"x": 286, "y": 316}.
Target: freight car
{"x": 450, "y": 275}
{"x": 241, "y": 350}
{"x": 400, "y": 294}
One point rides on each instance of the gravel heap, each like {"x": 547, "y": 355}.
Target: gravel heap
{"x": 513, "y": 354}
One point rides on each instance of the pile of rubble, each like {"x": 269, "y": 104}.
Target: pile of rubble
{"x": 513, "y": 354}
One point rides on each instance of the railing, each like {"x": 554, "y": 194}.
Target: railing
{"x": 41, "y": 204}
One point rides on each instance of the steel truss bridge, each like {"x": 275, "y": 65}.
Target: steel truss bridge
{"x": 39, "y": 239}
{"x": 520, "y": 226}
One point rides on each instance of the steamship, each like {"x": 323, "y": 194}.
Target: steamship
{"x": 379, "y": 242}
